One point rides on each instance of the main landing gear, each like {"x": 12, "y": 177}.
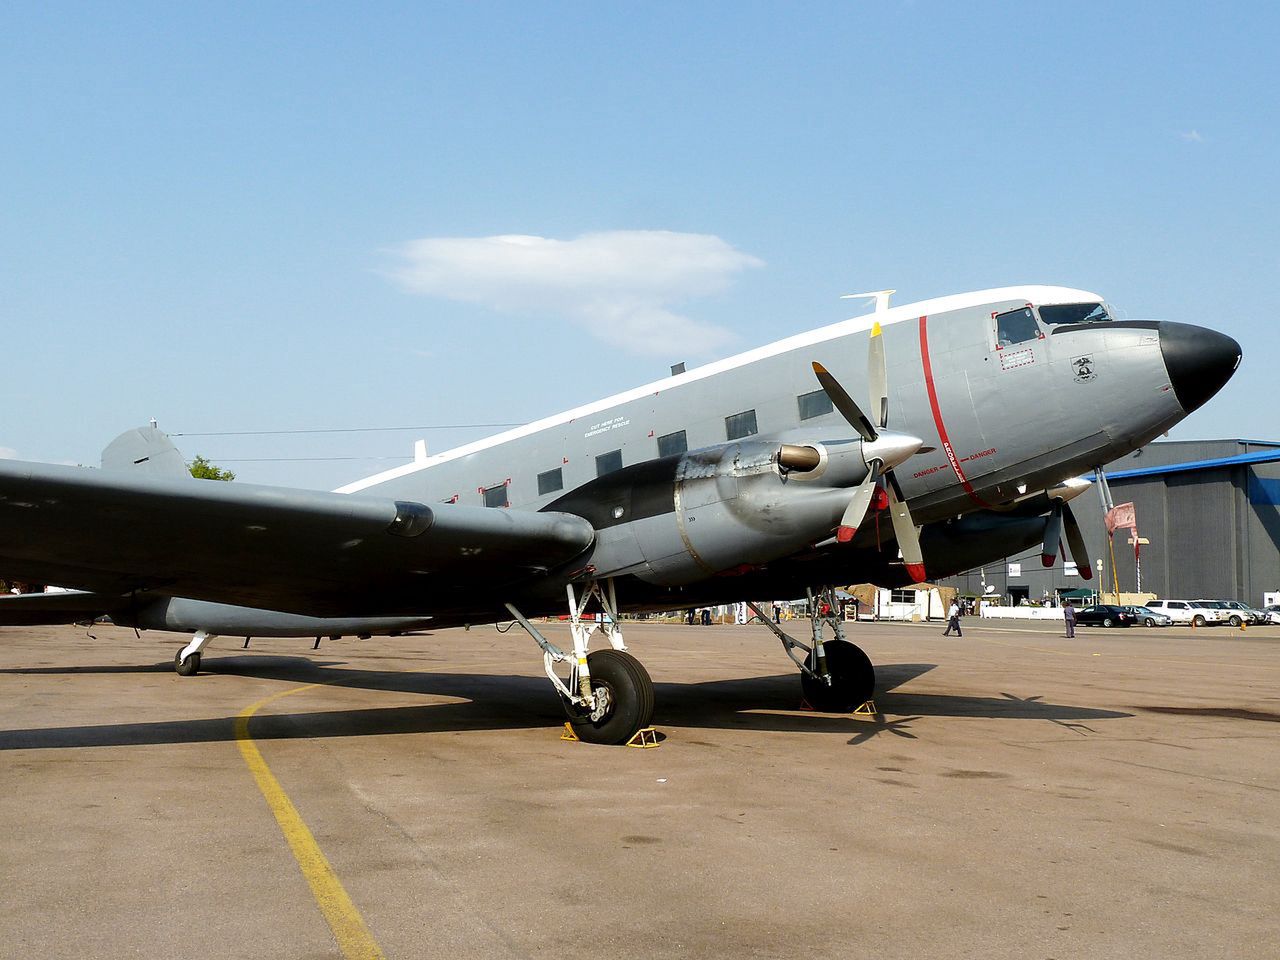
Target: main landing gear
{"x": 835, "y": 675}
{"x": 186, "y": 662}
{"x": 608, "y": 696}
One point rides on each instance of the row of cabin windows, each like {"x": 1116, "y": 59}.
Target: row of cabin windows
{"x": 736, "y": 426}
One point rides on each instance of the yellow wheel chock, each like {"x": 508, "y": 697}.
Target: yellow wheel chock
{"x": 868, "y": 709}
{"x": 645, "y": 737}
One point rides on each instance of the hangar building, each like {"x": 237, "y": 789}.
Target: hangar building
{"x": 1210, "y": 509}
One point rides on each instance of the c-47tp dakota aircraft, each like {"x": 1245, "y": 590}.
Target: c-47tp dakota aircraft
{"x": 756, "y": 476}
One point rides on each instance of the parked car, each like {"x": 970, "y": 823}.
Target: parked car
{"x": 1273, "y": 613}
{"x": 1186, "y": 611}
{"x": 1227, "y": 613}
{"x": 1105, "y": 615}
{"x": 1150, "y": 618}
{"x": 1245, "y": 612}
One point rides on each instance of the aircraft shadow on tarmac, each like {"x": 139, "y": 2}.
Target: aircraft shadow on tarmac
{"x": 497, "y": 702}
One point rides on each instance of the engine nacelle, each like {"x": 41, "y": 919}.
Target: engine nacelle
{"x": 718, "y": 509}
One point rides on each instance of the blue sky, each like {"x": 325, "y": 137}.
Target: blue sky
{"x": 231, "y": 217}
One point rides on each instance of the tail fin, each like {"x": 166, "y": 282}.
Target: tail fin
{"x": 147, "y": 449}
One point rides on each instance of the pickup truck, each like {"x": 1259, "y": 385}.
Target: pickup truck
{"x": 1187, "y": 611}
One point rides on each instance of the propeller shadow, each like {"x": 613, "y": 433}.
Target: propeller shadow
{"x": 498, "y": 702}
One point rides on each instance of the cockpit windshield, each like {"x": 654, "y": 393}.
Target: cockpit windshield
{"x": 1061, "y": 313}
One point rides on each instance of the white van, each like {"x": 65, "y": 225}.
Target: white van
{"x": 1186, "y": 611}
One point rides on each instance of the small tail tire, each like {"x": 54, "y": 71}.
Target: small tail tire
{"x": 853, "y": 679}
{"x": 188, "y": 667}
{"x": 625, "y": 694}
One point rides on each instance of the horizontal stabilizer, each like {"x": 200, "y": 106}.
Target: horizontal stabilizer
{"x": 32, "y": 609}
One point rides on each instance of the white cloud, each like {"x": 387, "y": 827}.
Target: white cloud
{"x": 8, "y": 453}
{"x": 1191, "y": 136}
{"x": 619, "y": 285}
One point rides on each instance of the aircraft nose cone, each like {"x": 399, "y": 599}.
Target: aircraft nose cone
{"x": 1199, "y": 361}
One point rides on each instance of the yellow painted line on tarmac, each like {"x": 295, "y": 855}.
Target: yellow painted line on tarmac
{"x": 349, "y": 929}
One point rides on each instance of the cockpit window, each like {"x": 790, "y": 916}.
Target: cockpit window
{"x": 1074, "y": 313}
{"x": 1016, "y": 326}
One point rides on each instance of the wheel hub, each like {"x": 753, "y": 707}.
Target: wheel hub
{"x": 601, "y": 704}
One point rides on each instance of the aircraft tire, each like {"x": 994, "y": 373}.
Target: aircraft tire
{"x": 853, "y": 679}
{"x": 631, "y": 699}
{"x": 188, "y": 667}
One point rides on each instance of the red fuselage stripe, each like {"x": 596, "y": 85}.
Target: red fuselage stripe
{"x": 937, "y": 416}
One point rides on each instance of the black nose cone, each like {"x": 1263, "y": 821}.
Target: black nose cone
{"x": 1199, "y": 361}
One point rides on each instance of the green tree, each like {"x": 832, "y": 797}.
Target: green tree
{"x": 202, "y": 469}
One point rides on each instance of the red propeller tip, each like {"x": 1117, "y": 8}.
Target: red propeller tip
{"x": 916, "y": 572}
{"x": 1046, "y": 559}
{"x": 1086, "y": 573}
{"x": 845, "y": 534}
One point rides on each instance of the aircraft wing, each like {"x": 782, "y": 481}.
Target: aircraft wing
{"x": 301, "y": 551}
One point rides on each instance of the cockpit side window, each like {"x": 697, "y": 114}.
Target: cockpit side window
{"x": 1062, "y": 313}
{"x": 1016, "y": 326}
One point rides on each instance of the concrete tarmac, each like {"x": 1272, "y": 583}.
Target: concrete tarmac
{"x": 1020, "y": 795}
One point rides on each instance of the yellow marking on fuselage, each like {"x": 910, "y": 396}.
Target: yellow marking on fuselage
{"x": 354, "y": 938}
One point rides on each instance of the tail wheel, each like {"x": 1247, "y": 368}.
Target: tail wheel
{"x": 853, "y": 679}
{"x": 188, "y": 667}
{"x": 623, "y": 699}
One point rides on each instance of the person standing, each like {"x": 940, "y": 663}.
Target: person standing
{"x": 953, "y": 620}
{"x": 1069, "y": 615}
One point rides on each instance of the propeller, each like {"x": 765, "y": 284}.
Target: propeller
{"x": 1061, "y": 518}
{"x": 883, "y": 449}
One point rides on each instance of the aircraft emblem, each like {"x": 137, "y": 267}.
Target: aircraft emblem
{"x": 1084, "y": 368}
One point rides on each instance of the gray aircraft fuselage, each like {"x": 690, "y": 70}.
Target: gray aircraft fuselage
{"x": 1012, "y": 391}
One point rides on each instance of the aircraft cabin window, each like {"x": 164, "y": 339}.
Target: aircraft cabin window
{"x": 551, "y": 481}
{"x": 672, "y": 443}
{"x": 1016, "y": 326}
{"x": 740, "y": 425}
{"x": 608, "y": 462}
{"x": 1075, "y": 313}
{"x": 496, "y": 496}
{"x": 814, "y": 404}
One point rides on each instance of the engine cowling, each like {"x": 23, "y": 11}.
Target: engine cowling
{"x": 719, "y": 509}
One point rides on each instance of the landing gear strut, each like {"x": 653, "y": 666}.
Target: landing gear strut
{"x": 186, "y": 662}
{"x": 835, "y": 675}
{"x": 609, "y": 695}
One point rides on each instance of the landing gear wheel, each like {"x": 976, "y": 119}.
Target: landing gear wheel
{"x": 853, "y": 679}
{"x": 624, "y": 699}
{"x": 188, "y": 667}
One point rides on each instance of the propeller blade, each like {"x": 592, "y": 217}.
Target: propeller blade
{"x": 1052, "y": 535}
{"x": 877, "y": 377}
{"x": 844, "y": 403}
{"x": 905, "y": 532}
{"x": 1079, "y": 552}
{"x": 858, "y": 505}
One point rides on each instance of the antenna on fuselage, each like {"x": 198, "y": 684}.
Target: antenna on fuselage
{"x": 881, "y": 298}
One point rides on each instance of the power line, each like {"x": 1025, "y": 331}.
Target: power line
{"x": 302, "y": 459}
{"x": 276, "y": 433}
